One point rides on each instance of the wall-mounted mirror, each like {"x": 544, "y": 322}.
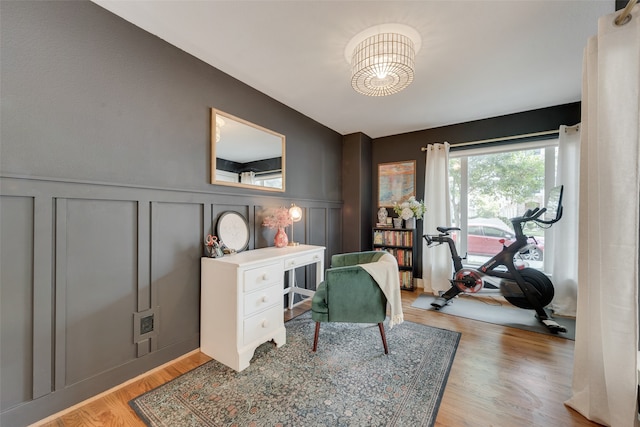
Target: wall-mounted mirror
{"x": 244, "y": 154}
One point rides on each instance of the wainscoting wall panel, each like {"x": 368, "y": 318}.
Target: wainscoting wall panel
{"x": 335, "y": 231}
{"x": 96, "y": 258}
{"x": 80, "y": 260}
{"x": 318, "y": 232}
{"x": 16, "y": 295}
{"x": 176, "y": 230}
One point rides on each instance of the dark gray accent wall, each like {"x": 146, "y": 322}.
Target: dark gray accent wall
{"x": 357, "y": 190}
{"x": 87, "y": 95}
{"x": 105, "y": 198}
{"x": 408, "y": 146}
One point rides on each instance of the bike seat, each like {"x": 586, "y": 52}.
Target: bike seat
{"x": 447, "y": 229}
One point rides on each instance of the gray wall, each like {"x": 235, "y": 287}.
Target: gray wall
{"x": 105, "y": 200}
{"x": 408, "y": 146}
{"x": 356, "y": 189}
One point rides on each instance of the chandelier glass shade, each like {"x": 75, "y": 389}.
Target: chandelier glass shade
{"x": 383, "y": 64}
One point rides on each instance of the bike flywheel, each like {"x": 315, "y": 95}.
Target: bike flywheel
{"x": 536, "y": 279}
{"x": 468, "y": 280}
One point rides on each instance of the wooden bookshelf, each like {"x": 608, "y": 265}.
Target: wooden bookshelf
{"x": 401, "y": 243}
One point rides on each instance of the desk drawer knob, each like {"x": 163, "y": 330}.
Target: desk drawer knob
{"x": 265, "y": 277}
{"x": 265, "y": 298}
{"x": 265, "y": 323}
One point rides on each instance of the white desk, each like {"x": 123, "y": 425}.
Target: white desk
{"x": 241, "y": 299}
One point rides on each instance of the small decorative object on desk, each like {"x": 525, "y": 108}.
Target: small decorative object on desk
{"x": 281, "y": 239}
{"x": 410, "y": 210}
{"x": 279, "y": 219}
{"x": 226, "y": 250}
{"x": 212, "y": 247}
{"x": 382, "y": 215}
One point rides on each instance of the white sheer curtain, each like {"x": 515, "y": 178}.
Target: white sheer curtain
{"x": 565, "y": 233}
{"x": 436, "y": 261}
{"x": 248, "y": 177}
{"x": 606, "y": 348}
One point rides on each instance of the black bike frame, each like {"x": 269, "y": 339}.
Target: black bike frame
{"x": 504, "y": 257}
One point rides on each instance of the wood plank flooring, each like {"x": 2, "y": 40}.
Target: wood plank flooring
{"x": 500, "y": 377}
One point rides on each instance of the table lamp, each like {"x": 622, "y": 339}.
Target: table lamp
{"x": 295, "y": 212}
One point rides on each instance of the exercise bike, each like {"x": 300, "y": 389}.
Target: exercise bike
{"x": 521, "y": 286}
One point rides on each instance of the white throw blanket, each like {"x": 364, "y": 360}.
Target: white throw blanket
{"x": 385, "y": 273}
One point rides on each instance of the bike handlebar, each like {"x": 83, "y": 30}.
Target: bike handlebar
{"x": 535, "y": 214}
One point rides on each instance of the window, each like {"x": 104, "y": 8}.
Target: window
{"x": 491, "y": 185}
{"x": 272, "y": 180}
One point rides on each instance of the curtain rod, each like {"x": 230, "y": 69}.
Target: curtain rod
{"x": 625, "y": 16}
{"x": 504, "y": 138}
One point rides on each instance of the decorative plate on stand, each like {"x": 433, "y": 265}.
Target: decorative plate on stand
{"x": 233, "y": 230}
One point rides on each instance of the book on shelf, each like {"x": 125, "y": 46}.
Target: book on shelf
{"x": 406, "y": 279}
{"x": 393, "y": 238}
{"x": 378, "y": 237}
{"x": 404, "y": 257}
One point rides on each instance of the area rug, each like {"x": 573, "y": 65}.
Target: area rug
{"x": 349, "y": 381}
{"x": 497, "y": 311}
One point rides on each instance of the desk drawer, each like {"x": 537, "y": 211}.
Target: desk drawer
{"x": 262, "y": 324}
{"x": 300, "y": 260}
{"x": 263, "y": 276}
{"x": 262, "y": 298}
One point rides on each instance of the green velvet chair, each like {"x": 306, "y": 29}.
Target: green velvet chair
{"x": 349, "y": 294}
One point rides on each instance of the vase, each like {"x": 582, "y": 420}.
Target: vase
{"x": 397, "y": 222}
{"x": 410, "y": 223}
{"x": 281, "y": 240}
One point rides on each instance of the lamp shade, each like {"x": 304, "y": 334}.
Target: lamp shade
{"x": 383, "y": 64}
{"x": 295, "y": 212}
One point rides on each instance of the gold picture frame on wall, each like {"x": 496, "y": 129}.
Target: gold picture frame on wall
{"x": 396, "y": 182}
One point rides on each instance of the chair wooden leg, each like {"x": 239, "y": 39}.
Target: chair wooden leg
{"x": 315, "y": 338}
{"x": 384, "y": 339}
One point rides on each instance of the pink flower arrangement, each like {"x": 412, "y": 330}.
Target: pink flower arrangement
{"x": 279, "y": 218}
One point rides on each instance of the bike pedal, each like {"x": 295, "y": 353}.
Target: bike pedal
{"x": 554, "y": 326}
{"x": 438, "y": 303}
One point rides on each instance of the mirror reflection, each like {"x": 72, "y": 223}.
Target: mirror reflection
{"x": 244, "y": 154}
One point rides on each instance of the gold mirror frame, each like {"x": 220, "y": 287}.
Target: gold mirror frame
{"x": 238, "y": 146}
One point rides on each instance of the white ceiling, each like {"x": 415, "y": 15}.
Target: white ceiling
{"x": 478, "y": 59}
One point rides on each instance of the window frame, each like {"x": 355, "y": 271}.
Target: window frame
{"x": 548, "y": 143}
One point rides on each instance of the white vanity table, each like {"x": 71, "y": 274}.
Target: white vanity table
{"x": 241, "y": 299}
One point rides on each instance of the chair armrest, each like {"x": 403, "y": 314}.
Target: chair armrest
{"x": 354, "y": 258}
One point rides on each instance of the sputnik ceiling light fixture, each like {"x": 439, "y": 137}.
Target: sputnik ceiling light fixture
{"x": 382, "y": 59}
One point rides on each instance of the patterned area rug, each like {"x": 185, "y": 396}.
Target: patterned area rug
{"x": 349, "y": 381}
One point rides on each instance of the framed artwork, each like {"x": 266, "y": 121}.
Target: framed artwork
{"x": 396, "y": 182}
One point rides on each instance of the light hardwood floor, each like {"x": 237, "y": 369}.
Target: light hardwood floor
{"x": 500, "y": 377}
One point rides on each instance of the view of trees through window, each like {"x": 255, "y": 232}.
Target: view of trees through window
{"x": 488, "y": 189}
